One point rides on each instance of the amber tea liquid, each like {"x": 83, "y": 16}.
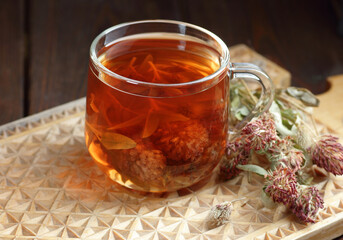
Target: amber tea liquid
{"x": 156, "y": 138}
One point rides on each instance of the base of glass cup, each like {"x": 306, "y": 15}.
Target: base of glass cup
{"x": 138, "y": 191}
{"x": 155, "y": 192}
{"x": 163, "y": 194}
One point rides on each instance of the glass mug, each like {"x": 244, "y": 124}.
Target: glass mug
{"x": 158, "y": 103}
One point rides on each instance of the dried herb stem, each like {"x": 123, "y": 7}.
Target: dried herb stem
{"x": 253, "y": 98}
{"x": 313, "y": 130}
{"x": 293, "y": 103}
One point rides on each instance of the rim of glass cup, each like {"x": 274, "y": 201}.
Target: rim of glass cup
{"x": 224, "y": 57}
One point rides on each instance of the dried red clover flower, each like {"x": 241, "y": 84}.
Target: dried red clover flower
{"x": 307, "y": 205}
{"x": 182, "y": 142}
{"x": 261, "y": 133}
{"x": 144, "y": 164}
{"x": 258, "y": 135}
{"x": 328, "y": 154}
{"x": 237, "y": 153}
{"x": 283, "y": 151}
{"x": 294, "y": 159}
{"x": 219, "y": 214}
{"x": 281, "y": 185}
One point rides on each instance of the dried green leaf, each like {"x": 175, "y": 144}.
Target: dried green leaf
{"x": 151, "y": 124}
{"x": 253, "y": 168}
{"x": 289, "y": 114}
{"x": 304, "y": 178}
{"x": 282, "y": 129}
{"x": 304, "y": 95}
{"x": 169, "y": 116}
{"x": 235, "y": 102}
{"x": 242, "y": 112}
{"x": 112, "y": 140}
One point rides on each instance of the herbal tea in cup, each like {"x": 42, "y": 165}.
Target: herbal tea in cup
{"x": 158, "y": 103}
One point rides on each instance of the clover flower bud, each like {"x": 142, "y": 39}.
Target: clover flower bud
{"x": 307, "y": 205}
{"x": 261, "y": 132}
{"x": 237, "y": 152}
{"x": 220, "y": 214}
{"x": 145, "y": 164}
{"x": 182, "y": 142}
{"x": 328, "y": 154}
{"x": 283, "y": 152}
{"x": 281, "y": 185}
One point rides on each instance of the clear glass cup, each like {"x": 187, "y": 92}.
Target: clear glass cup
{"x": 158, "y": 103}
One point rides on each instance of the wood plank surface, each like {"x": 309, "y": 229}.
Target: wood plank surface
{"x": 11, "y": 60}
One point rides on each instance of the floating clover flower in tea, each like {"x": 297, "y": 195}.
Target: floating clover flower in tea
{"x": 182, "y": 141}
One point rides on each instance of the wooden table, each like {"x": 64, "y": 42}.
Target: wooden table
{"x": 44, "y": 45}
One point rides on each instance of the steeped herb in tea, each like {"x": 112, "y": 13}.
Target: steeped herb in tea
{"x": 153, "y": 137}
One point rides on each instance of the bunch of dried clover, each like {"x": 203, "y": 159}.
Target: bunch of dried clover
{"x": 280, "y": 145}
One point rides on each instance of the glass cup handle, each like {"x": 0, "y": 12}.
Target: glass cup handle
{"x": 253, "y": 72}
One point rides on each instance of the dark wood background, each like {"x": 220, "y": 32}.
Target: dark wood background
{"x": 44, "y": 44}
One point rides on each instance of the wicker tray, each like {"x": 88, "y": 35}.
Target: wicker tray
{"x": 51, "y": 189}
